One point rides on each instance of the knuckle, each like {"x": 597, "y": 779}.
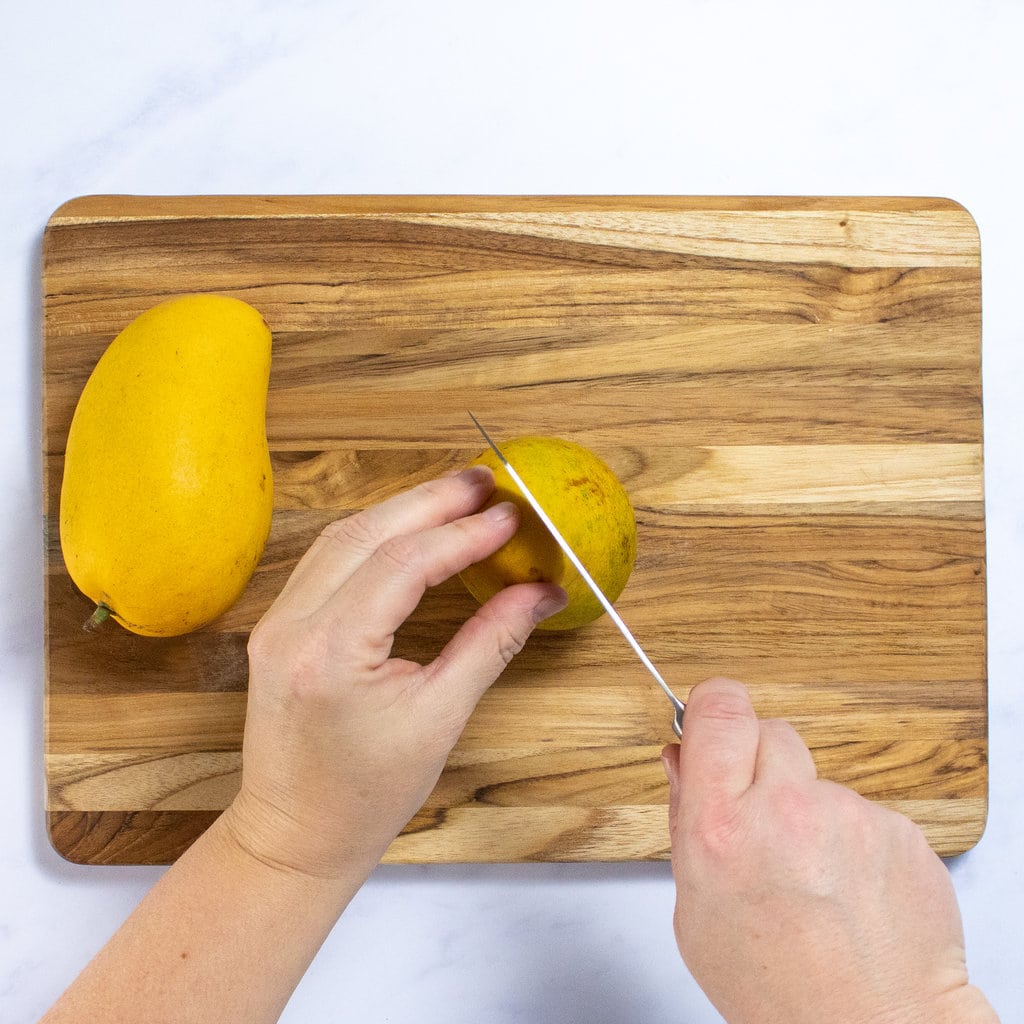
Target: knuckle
{"x": 357, "y": 530}
{"x": 847, "y": 802}
{"x": 400, "y": 554}
{"x": 862, "y": 824}
{"x": 510, "y": 643}
{"x": 725, "y": 705}
{"x": 509, "y": 638}
{"x": 262, "y": 643}
{"x": 291, "y": 666}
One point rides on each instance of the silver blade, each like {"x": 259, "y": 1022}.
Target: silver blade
{"x": 587, "y": 578}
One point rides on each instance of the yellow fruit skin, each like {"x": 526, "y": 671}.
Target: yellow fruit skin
{"x": 589, "y": 506}
{"x": 167, "y": 494}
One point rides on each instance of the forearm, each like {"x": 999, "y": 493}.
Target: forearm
{"x": 222, "y": 937}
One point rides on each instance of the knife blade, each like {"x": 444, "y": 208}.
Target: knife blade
{"x": 677, "y": 704}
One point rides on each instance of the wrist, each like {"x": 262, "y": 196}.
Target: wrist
{"x": 269, "y": 849}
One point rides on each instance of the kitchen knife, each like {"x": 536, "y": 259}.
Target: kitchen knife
{"x": 680, "y": 707}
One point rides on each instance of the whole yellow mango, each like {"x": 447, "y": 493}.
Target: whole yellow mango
{"x": 592, "y": 511}
{"x": 167, "y": 494}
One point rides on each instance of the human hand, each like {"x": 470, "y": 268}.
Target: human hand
{"x": 343, "y": 743}
{"x": 798, "y": 901}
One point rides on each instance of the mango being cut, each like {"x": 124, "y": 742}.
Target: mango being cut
{"x": 167, "y": 493}
{"x": 592, "y": 511}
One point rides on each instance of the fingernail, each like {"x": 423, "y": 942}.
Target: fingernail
{"x": 500, "y": 512}
{"x": 474, "y": 475}
{"x": 548, "y": 606}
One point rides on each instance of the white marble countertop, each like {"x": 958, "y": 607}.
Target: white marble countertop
{"x": 313, "y": 96}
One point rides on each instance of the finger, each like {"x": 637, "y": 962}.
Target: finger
{"x": 670, "y": 762}
{"x": 481, "y": 650}
{"x": 385, "y": 590}
{"x": 782, "y": 756}
{"x": 347, "y": 543}
{"x": 718, "y": 748}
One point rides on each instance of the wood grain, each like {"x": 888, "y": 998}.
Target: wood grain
{"x": 788, "y": 387}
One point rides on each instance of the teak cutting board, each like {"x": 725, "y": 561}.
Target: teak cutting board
{"x": 788, "y": 387}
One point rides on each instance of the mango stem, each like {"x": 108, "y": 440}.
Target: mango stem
{"x": 98, "y": 617}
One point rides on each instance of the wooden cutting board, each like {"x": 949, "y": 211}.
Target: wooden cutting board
{"x": 789, "y": 389}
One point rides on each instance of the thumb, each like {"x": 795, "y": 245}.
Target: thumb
{"x": 484, "y": 646}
